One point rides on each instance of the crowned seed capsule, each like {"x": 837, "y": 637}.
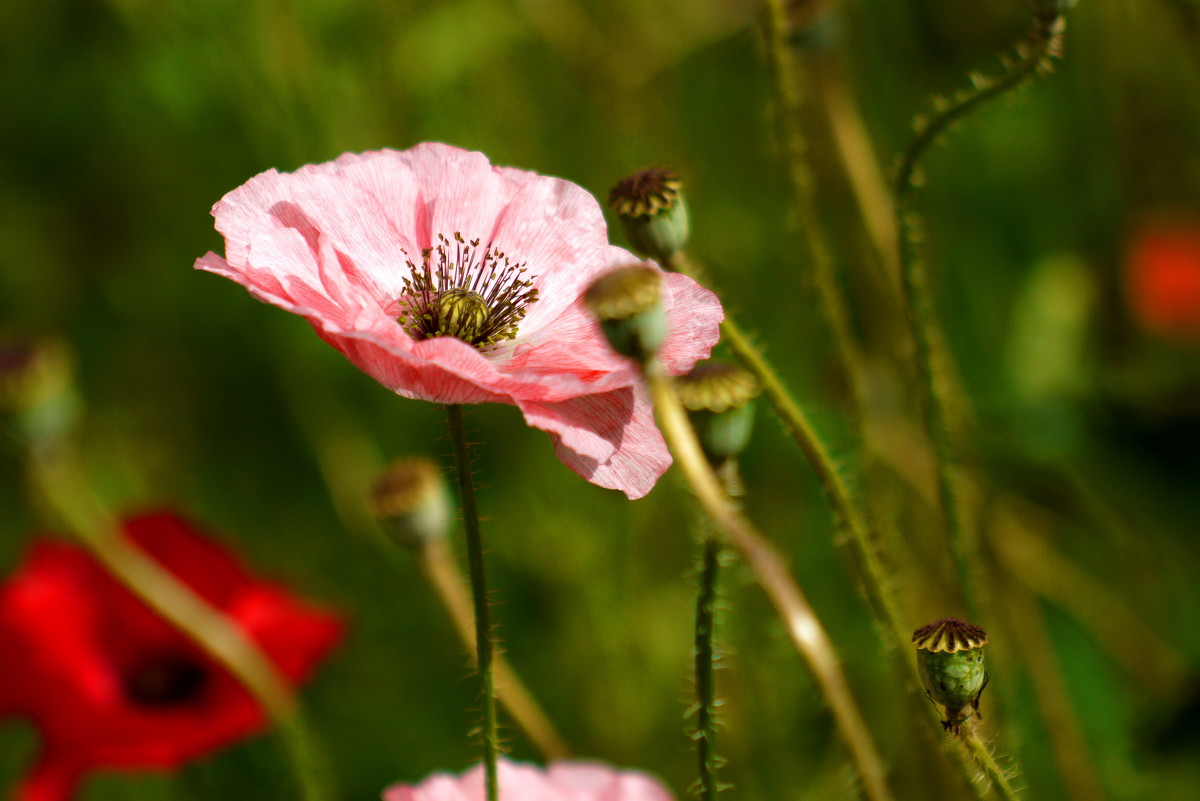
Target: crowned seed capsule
{"x": 652, "y": 212}
{"x": 718, "y": 397}
{"x": 951, "y": 664}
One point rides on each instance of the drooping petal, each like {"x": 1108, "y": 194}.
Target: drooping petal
{"x": 694, "y": 316}
{"x": 611, "y": 440}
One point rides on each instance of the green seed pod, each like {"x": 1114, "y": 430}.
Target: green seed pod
{"x": 718, "y": 399}
{"x": 653, "y": 215}
{"x": 628, "y": 303}
{"x": 950, "y": 661}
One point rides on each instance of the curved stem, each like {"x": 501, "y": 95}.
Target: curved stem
{"x": 850, "y": 517}
{"x": 931, "y": 356}
{"x": 803, "y": 626}
{"x": 483, "y": 624}
{"x": 1047, "y": 38}
{"x": 73, "y": 500}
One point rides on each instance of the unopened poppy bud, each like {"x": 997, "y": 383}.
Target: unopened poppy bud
{"x": 718, "y": 398}
{"x": 36, "y": 387}
{"x": 411, "y": 503}
{"x": 650, "y": 207}
{"x": 950, "y": 661}
{"x": 628, "y": 303}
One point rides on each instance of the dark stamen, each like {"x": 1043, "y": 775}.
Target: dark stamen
{"x": 456, "y": 292}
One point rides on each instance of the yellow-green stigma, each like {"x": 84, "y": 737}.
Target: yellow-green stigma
{"x": 461, "y": 290}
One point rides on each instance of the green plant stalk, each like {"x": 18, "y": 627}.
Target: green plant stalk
{"x": 786, "y": 98}
{"x": 447, "y": 581}
{"x": 847, "y": 515}
{"x": 483, "y": 625}
{"x": 931, "y": 356}
{"x": 706, "y": 692}
{"x": 348, "y": 461}
{"x": 804, "y": 627}
{"x": 984, "y": 759}
{"x": 69, "y": 496}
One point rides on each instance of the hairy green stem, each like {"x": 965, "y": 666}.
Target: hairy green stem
{"x": 483, "y": 625}
{"x": 931, "y": 357}
{"x": 848, "y": 515}
{"x": 448, "y": 584}
{"x": 786, "y": 98}
{"x": 804, "y": 628}
{"x": 71, "y": 497}
{"x": 706, "y": 691}
{"x": 984, "y": 759}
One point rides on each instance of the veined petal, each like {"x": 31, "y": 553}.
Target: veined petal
{"x": 611, "y": 439}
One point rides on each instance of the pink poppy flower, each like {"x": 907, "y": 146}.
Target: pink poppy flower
{"x": 110, "y": 685}
{"x": 560, "y": 781}
{"x": 453, "y": 281}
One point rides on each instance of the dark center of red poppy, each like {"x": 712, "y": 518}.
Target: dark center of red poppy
{"x": 163, "y": 680}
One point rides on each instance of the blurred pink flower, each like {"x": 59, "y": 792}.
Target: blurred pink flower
{"x": 453, "y": 281}
{"x": 560, "y": 781}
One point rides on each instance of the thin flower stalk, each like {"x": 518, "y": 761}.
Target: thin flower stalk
{"x": 443, "y": 574}
{"x": 66, "y": 492}
{"x": 705, "y": 668}
{"x": 931, "y": 357}
{"x": 483, "y": 624}
{"x": 803, "y": 626}
{"x": 347, "y": 460}
{"x": 848, "y": 515}
{"x": 983, "y": 757}
{"x": 786, "y": 98}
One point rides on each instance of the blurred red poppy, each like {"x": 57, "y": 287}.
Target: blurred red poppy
{"x": 109, "y": 684}
{"x": 1163, "y": 278}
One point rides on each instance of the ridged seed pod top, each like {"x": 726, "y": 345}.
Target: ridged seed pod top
{"x": 949, "y": 635}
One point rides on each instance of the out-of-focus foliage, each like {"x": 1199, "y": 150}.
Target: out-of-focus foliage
{"x": 123, "y": 121}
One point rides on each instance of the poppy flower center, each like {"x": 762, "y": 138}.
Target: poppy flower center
{"x": 464, "y": 291}
{"x": 164, "y": 680}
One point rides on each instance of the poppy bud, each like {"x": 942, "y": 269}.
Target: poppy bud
{"x": 950, "y": 661}
{"x": 650, "y": 207}
{"x": 718, "y": 399}
{"x": 409, "y": 500}
{"x": 36, "y": 387}
{"x": 628, "y": 303}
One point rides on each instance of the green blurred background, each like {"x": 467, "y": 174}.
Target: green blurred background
{"x": 123, "y": 121}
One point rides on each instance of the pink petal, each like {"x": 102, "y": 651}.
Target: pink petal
{"x": 461, "y": 191}
{"x": 694, "y": 315}
{"x": 597, "y": 782}
{"x": 611, "y": 439}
